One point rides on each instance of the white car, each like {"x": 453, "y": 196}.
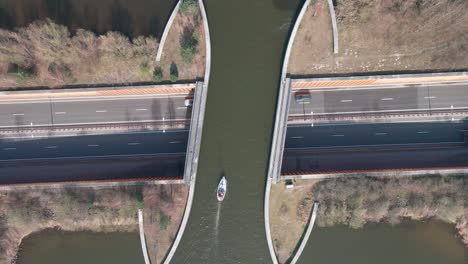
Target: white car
{"x": 188, "y": 102}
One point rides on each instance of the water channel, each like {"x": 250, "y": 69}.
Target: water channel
{"x": 248, "y": 40}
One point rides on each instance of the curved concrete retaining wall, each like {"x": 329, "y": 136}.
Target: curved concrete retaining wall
{"x": 166, "y": 31}
{"x": 334, "y": 26}
{"x": 307, "y": 234}
{"x": 142, "y": 237}
{"x": 188, "y": 206}
{"x": 279, "y": 133}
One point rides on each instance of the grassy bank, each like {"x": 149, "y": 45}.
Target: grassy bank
{"x": 356, "y": 201}
{"x": 382, "y": 35}
{"x": 105, "y": 209}
{"x": 185, "y": 43}
{"x": 47, "y": 54}
{"x": 289, "y": 213}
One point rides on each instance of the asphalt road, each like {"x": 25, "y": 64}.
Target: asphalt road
{"x": 92, "y": 110}
{"x": 160, "y": 143}
{"x": 101, "y": 157}
{"x": 300, "y": 137}
{"x": 360, "y": 99}
{"x": 91, "y": 169}
{"x": 408, "y": 157}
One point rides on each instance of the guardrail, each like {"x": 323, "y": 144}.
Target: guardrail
{"x": 446, "y": 112}
{"x": 95, "y": 126}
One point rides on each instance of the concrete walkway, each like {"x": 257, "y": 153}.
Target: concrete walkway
{"x": 166, "y": 31}
{"x": 334, "y": 26}
{"x": 142, "y": 237}
{"x": 188, "y": 206}
{"x": 279, "y": 132}
{"x": 307, "y": 234}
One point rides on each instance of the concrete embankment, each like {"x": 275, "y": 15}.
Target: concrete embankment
{"x": 142, "y": 236}
{"x": 282, "y": 108}
{"x": 190, "y": 175}
{"x": 166, "y": 30}
{"x": 305, "y": 238}
{"x": 279, "y": 132}
{"x": 334, "y": 26}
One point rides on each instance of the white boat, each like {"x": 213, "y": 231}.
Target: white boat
{"x": 222, "y": 188}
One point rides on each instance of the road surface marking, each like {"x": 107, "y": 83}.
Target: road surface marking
{"x": 133, "y": 144}
{"x": 9, "y": 148}
{"x": 380, "y": 134}
{"x": 429, "y": 97}
{"x": 298, "y": 137}
{"x": 141, "y": 109}
{"x": 93, "y": 145}
{"x": 51, "y": 147}
{"x": 60, "y": 113}
{"x": 174, "y": 142}
{"x": 101, "y": 111}
{"x": 338, "y": 135}
{"x": 423, "y": 132}
{"x": 346, "y": 101}
{"x": 387, "y": 99}
{"x": 18, "y": 114}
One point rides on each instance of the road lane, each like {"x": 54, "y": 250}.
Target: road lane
{"x": 381, "y": 99}
{"x": 373, "y": 134}
{"x": 98, "y": 145}
{"x": 93, "y": 110}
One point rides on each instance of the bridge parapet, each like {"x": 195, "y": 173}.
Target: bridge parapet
{"x": 195, "y": 132}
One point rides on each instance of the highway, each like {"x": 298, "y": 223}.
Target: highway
{"x": 423, "y": 156}
{"x": 368, "y": 147}
{"x": 391, "y": 98}
{"x": 91, "y": 169}
{"x": 101, "y": 157}
{"x": 92, "y": 110}
{"x": 302, "y": 137}
{"x": 156, "y": 142}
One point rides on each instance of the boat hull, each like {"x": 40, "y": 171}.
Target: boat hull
{"x": 222, "y": 188}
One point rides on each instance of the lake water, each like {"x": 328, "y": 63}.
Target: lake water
{"x": 248, "y": 41}
{"x": 51, "y": 246}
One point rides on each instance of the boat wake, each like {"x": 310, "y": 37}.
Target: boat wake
{"x": 216, "y": 226}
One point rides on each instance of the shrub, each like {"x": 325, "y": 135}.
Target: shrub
{"x": 174, "y": 72}
{"x": 188, "y": 6}
{"x": 188, "y": 45}
{"x": 164, "y": 220}
{"x": 157, "y": 74}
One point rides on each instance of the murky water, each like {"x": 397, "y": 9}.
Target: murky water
{"x": 248, "y": 40}
{"x": 131, "y": 17}
{"x": 408, "y": 243}
{"x": 50, "y": 247}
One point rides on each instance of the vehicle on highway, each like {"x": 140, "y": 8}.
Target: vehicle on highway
{"x": 302, "y": 97}
{"x": 222, "y": 188}
{"x": 188, "y": 101}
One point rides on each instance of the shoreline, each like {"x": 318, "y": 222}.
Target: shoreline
{"x": 62, "y": 230}
{"x": 405, "y": 200}
{"x": 91, "y": 209}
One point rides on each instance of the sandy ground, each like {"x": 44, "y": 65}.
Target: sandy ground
{"x": 171, "y": 51}
{"x": 289, "y": 213}
{"x": 383, "y": 35}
